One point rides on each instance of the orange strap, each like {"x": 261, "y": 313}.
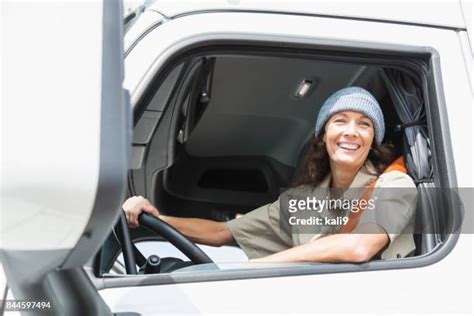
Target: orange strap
{"x": 354, "y": 217}
{"x": 397, "y": 165}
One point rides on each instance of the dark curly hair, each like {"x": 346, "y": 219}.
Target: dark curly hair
{"x": 316, "y": 163}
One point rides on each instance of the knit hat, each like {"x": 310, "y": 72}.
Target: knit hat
{"x": 352, "y": 99}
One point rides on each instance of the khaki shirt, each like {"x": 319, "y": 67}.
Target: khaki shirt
{"x": 263, "y": 231}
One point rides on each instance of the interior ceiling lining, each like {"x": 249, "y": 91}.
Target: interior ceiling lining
{"x": 253, "y": 111}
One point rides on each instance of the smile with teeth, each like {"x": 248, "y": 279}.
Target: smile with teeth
{"x": 348, "y": 146}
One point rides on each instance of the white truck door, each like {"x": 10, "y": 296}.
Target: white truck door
{"x": 406, "y": 289}
{"x": 65, "y": 142}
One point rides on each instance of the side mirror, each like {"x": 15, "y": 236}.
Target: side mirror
{"x": 66, "y": 139}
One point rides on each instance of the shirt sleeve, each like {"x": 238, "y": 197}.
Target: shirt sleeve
{"x": 394, "y": 200}
{"x": 259, "y": 233}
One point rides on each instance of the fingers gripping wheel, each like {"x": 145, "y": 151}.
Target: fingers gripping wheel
{"x": 190, "y": 249}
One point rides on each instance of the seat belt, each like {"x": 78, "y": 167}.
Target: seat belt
{"x": 354, "y": 217}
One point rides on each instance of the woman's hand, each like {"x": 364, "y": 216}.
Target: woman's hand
{"x": 136, "y": 205}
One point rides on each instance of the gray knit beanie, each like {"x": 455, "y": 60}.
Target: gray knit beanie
{"x": 352, "y": 99}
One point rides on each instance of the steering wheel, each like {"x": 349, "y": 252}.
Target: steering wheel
{"x": 186, "y": 246}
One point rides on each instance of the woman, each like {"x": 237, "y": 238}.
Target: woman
{"x": 346, "y": 153}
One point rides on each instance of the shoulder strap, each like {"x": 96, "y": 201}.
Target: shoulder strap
{"x": 397, "y": 165}
{"x": 354, "y": 217}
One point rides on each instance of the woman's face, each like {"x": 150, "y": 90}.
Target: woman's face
{"x": 348, "y": 137}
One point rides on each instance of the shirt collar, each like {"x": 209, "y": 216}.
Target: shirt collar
{"x": 364, "y": 176}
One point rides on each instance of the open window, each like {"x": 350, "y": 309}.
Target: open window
{"x": 223, "y": 128}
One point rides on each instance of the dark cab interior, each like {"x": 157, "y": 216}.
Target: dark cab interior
{"x": 222, "y": 134}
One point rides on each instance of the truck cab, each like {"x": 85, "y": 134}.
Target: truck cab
{"x": 206, "y": 109}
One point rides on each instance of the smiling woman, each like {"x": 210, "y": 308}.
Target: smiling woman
{"x": 348, "y": 137}
{"x": 349, "y": 130}
{"x": 350, "y": 125}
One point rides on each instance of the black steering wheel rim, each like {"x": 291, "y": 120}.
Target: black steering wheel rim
{"x": 186, "y": 246}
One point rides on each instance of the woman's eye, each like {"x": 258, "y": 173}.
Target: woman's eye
{"x": 339, "y": 120}
{"x": 365, "y": 123}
